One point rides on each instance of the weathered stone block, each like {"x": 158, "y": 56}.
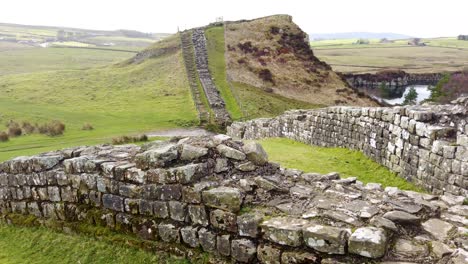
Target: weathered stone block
{"x": 54, "y": 194}
{"x": 190, "y": 195}
{"x": 178, "y": 210}
{"x": 223, "y": 245}
{"x": 249, "y": 224}
{"x": 197, "y": 214}
{"x": 131, "y": 205}
{"x": 255, "y": 153}
{"x": 169, "y": 233}
{"x": 268, "y": 254}
{"x": 207, "y": 240}
{"x": 369, "y": 242}
{"x": 284, "y": 230}
{"x": 225, "y": 198}
{"x": 243, "y": 250}
{"x": 159, "y": 156}
{"x": 190, "y": 236}
{"x": 327, "y": 239}
{"x": 190, "y": 173}
{"x": 113, "y": 202}
{"x": 190, "y": 152}
{"x": 223, "y": 220}
{"x": 160, "y": 209}
{"x": 231, "y": 153}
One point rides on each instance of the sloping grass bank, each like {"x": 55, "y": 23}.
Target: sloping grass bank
{"x": 35, "y": 245}
{"x": 293, "y": 154}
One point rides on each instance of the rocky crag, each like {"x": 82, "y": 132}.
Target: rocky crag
{"x": 223, "y": 196}
{"x": 427, "y": 145}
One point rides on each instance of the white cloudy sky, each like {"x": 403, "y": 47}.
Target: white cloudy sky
{"x": 423, "y": 18}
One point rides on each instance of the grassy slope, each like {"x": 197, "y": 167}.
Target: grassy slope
{"x": 116, "y": 100}
{"x": 324, "y": 160}
{"x": 217, "y": 65}
{"x": 257, "y": 103}
{"x": 44, "y": 246}
{"x": 440, "y": 54}
{"x": 28, "y": 60}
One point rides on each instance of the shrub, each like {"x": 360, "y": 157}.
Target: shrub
{"x": 410, "y": 97}
{"x": 450, "y": 87}
{"x": 87, "y": 126}
{"x": 4, "y": 136}
{"x": 14, "y": 130}
{"x": 129, "y": 139}
{"x": 53, "y": 128}
{"x": 27, "y": 127}
{"x": 266, "y": 75}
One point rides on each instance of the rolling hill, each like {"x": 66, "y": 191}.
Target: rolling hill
{"x": 150, "y": 90}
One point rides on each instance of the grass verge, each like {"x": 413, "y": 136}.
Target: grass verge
{"x": 38, "y": 245}
{"x": 217, "y": 66}
{"x": 324, "y": 160}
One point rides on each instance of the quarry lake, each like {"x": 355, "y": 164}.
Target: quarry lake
{"x": 422, "y": 90}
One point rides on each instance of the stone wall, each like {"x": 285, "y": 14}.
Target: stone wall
{"x": 223, "y": 197}
{"x": 215, "y": 100}
{"x": 427, "y": 145}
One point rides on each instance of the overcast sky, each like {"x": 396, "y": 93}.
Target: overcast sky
{"x": 422, "y": 18}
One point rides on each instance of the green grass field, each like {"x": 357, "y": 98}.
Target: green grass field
{"x": 324, "y": 160}
{"x": 39, "y": 245}
{"x": 28, "y": 60}
{"x": 116, "y": 100}
{"x": 440, "y": 54}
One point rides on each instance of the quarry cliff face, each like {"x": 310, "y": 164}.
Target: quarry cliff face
{"x": 222, "y": 196}
{"x": 273, "y": 54}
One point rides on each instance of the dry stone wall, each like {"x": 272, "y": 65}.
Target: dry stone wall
{"x": 427, "y": 145}
{"x": 222, "y": 196}
{"x": 215, "y": 100}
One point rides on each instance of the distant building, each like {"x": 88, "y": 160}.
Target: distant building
{"x": 463, "y": 37}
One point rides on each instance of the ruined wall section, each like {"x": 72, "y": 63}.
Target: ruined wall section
{"x": 427, "y": 145}
{"x": 221, "y": 196}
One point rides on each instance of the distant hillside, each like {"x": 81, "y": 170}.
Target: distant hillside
{"x": 273, "y": 54}
{"x": 38, "y": 35}
{"x": 354, "y": 35}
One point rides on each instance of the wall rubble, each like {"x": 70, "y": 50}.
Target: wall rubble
{"x": 427, "y": 145}
{"x": 224, "y": 197}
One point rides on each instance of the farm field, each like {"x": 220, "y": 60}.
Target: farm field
{"x": 439, "y": 55}
{"x": 33, "y": 59}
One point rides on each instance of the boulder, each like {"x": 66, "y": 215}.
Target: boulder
{"x": 255, "y": 153}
